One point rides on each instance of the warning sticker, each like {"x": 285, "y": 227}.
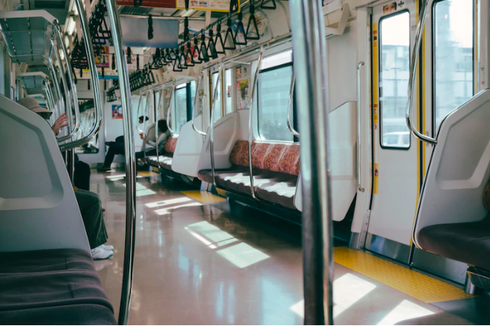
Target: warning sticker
{"x": 206, "y": 5}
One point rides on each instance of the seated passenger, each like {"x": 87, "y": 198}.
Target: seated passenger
{"x": 117, "y": 147}
{"x": 164, "y": 134}
{"x": 88, "y": 202}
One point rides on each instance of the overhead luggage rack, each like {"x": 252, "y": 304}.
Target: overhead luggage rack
{"x": 27, "y": 35}
{"x": 33, "y": 82}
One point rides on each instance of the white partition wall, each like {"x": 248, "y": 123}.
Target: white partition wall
{"x": 343, "y": 135}
{"x": 38, "y": 208}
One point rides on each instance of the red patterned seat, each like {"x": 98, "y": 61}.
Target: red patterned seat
{"x": 275, "y": 169}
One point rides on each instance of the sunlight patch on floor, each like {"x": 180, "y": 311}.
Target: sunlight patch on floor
{"x": 166, "y": 202}
{"x": 347, "y": 290}
{"x": 240, "y": 254}
{"x": 168, "y": 210}
{"x": 405, "y": 310}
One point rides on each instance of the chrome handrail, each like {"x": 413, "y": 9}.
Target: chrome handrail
{"x": 310, "y": 66}
{"x": 414, "y": 57}
{"x": 250, "y": 123}
{"x": 95, "y": 82}
{"x": 71, "y": 78}
{"x": 359, "y": 186}
{"x": 138, "y": 112}
{"x": 128, "y": 267}
{"x": 169, "y": 108}
{"x": 194, "y": 107}
{"x": 211, "y": 129}
{"x": 291, "y": 105}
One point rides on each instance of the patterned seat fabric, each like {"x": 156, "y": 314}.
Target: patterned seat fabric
{"x": 276, "y": 170}
{"x": 170, "y": 145}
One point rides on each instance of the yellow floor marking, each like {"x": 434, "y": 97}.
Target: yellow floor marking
{"x": 155, "y": 169}
{"x": 415, "y": 284}
{"x": 148, "y": 174}
{"x": 203, "y": 196}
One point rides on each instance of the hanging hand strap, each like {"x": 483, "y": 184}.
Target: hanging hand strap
{"x": 240, "y": 29}
{"x": 229, "y": 35}
{"x": 218, "y": 41}
{"x": 150, "y": 27}
{"x": 252, "y": 34}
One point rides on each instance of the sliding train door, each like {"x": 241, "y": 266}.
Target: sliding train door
{"x": 446, "y": 79}
{"x": 449, "y": 62}
{"x": 395, "y": 150}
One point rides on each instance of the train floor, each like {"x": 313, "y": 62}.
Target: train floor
{"x": 200, "y": 259}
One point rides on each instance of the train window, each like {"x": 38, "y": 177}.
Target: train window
{"x": 228, "y": 92}
{"x": 393, "y": 79}
{"x": 217, "y": 102}
{"x": 272, "y": 100}
{"x": 180, "y": 111}
{"x": 192, "y": 99}
{"x": 452, "y": 56}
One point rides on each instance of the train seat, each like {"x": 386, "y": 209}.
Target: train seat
{"x": 466, "y": 242}
{"x": 165, "y": 160}
{"x": 57, "y": 286}
{"x": 276, "y": 170}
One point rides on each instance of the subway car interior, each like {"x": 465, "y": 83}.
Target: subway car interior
{"x": 244, "y": 162}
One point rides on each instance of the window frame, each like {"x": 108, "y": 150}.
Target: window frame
{"x": 380, "y": 67}
{"x": 294, "y": 117}
{"x": 435, "y": 130}
{"x": 188, "y": 103}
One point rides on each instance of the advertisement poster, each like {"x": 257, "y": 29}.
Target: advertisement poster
{"x": 117, "y": 111}
{"x": 242, "y": 85}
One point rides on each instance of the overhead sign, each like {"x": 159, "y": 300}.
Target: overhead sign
{"x": 207, "y": 5}
{"x": 165, "y": 32}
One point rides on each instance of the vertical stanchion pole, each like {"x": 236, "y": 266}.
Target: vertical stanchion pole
{"x": 122, "y": 67}
{"x": 310, "y": 67}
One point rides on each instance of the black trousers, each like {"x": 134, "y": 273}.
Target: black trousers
{"x": 92, "y": 215}
{"x": 114, "y": 148}
{"x": 82, "y": 175}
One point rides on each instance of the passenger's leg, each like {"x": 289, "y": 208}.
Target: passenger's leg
{"x": 93, "y": 219}
{"x": 82, "y": 175}
{"x": 109, "y": 157}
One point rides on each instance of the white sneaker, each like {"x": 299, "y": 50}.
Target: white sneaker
{"x": 100, "y": 254}
{"x": 107, "y": 247}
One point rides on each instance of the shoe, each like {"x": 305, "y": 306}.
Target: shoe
{"x": 100, "y": 254}
{"x": 104, "y": 169}
{"x": 107, "y": 247}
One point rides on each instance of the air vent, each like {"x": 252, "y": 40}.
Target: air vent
{"x": 48, "y": 4}
{"x": 142, "y": 11}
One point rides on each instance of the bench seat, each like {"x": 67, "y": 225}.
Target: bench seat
{"x": 276, "y": 169}
{"x": 52, "y": 287}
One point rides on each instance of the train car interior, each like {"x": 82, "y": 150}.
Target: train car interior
{"x": 245, "y": 162}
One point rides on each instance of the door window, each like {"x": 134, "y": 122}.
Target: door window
{"x": 393, "y": 79}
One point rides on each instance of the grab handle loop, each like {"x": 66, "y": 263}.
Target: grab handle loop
{"x": 229, "y": 34}
{"x": 204, "y": 51}
{"x": 254, "y": 33}
{"x": 273, "y": 7}
{"x": 218, "y": 41}
{"x": 240, "y": 29}
{"x": 182, "y": 60}
{"x": 212, "y": 46}
{"x": 177, "y": 65}
{"x": 196, "y": 55}
{"x": 188, "y": 56}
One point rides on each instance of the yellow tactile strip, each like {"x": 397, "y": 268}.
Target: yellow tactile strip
{"x": 203, "y": 196}
{"x": 148, "y": 174}
{"x": 415, "y": 284}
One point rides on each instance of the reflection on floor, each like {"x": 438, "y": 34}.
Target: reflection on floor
{"x": 202, "y": 260}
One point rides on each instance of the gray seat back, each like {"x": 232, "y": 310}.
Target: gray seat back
{"x": 38, "y": 208}
{"x": 459, "y": 168}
